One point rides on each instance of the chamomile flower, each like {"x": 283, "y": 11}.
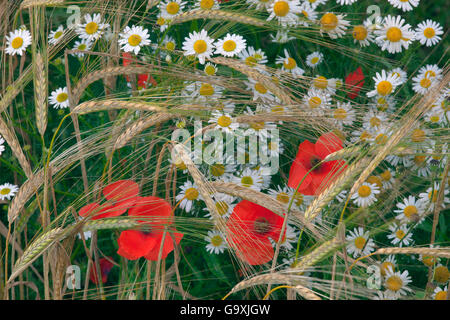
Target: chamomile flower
{"x": 204, "y": 91}
{"x": 322, "y": 83}
{"x": 419, "y": 138}
{"x": 428, "y": 32}
{"x": 307, "y": 14}
{"x": 343, "y": 114}
{"x": 289, "y": 64}
{"x": 221, "y": 171}
{"x": 387, "y": 178}
{"x": 250, "y": 179}
{"x": 169, "y": 44}
{"x": 401, "y": 75}
{"x": 438, "y": 154}
{"x": 440, "y": 294}
{"x": 435, "y": 116}
{"x": 231, "y": 45}
{"x": 441, "y": 274}
{"x": 430, "y": 261}
{"x": 260, "y": 92}
{"x": 421, "y": 165}
{"x": 2, "y": 147}
{"x": 171, "y": 8}
{"x": 361, "y": 135}
{"x": 7, "y": 191}
{"x": 59, "y": 98}
{"x": 396, "y": 283}
{"x": 363, "y": 34}
{"x": 405, "y": 5}
{"x": 55, "y": 36}
{"x": 281, "y": 37}
{"x": 430, "y": 197}
{"x": 133, "y": 39}
{"x": 282, "y": 194}
{"x": 431, "y": 71}
{"x": 216, "y": 242}
{"x": 259, "y": 129}
{"x": 400, "y": 235}
{"x": 385, "y": 84}
{"x": 17, "y": 42}
{"x": 395, "y": 35}
{"x": 210, "y": 69}
{"x": 285, "y": 11}
{"x": 188, "y": 195}
{"x": 333, "y": 24}
{"x": 83, "y": 45}
{"x": 383, "y": 104}
{"x": 345, "y": 2}
{"x": 381, "y": 135}
{"x": 198, "y": 44}
{"x": 271, "y": 149}
{"x": 386, "y": 264}
{"x": 315, "y": 3}
{"x": 373, "y": 120}
{"x": 93, "y": 28}
{"x": 359, "y": 243}
{"x": 314, "y": 59}
{"x": 317, "y": 100}
{"x": 162, "y": 22}
{"x": 207, "y": 4}
{"x": 423, "y": 83}
{"x": 223, "y": 121}
{"x": 366, "y": 194}
{"x": 289, "y": 240}
{"x": 253, "y": 57}
{"x": 224, "y": 205}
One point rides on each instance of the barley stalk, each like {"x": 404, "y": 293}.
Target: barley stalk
{"x": 40, "y": 91}
{"x": 217, "y": 15}
{"x": 110, "y": 223}
{"x": 443, "y": 252}
{"x": 34, "y": 3}
{"x": 94, "y": 106}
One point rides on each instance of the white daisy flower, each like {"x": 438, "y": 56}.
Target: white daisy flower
{"x": 385, "y": 84}
{"x": 400, "y": 74}
{"x": 428, "y": 32}
{"x": 169, "y": 43}
{"x": 17, "y": 42}
{"x": 431, "y": 71}
{"x": 440, "y": 294}
{"x": 259, "y": 129}
{"x": 383, "y": 104}
{"x": 381, "y": 135}
{"x": 289, "y": 64}
{"x": 400, "y": 235}
{"x": 317, "y": 100}
{"x": 421, "y": 165}
{"x": 289, "y": 240}
{"x": 55, "y": 36}
{"x": 230, "y": 45}
{"x": 361, "y": 135}
{"x": 210, "y": 69}
{"x": 394, "y": 34}
{"x": 2, "y": 147}
{"x": 307, "y": 14}
{"x": 204, "y": 91}
{"x": 189, "y": 193}
{"x": 314, "y": 59}
{"x": 133, "y": 39}
{"x": 430, "y": 261}
{"x": 207, "y": 4}
{"x": 253, "y": 57}
{"x": 387, "y": 178}
{"x": 363, "y": 34}
{"x": 315, "y": 3}
{"x": 170, "y": 9}
{"x": 7, "y": 191}
{"x": 345, "y": 2}
{"x": 198, "y": 44}
{"x": 221, "y": 171}
{"x": 388, "y": 263}
{"x": 373, "y": 120}
{"x": 333, "y": 24}
{"x": 216, "y": 242}
{"x": 396, "y": 283}
{"x": 322, "y": 83}
{"x": 250, "y": 179}
{"x": 405, "y": 5}
{"x": 285, "y": 11}
{"x": 359, "y": 243}
{"x": 223, "y": 121}
{"x": 281, "y": 37}
{"x": 93, "y": 28}
{"x": 259, "y": 91}
{"x": 423, "y": 83}
{"x": 430, "y": 197}
{"x": 162, "y": 22}
{"x": 343, "y": 114}
{"x": 83, "y": 45}
{"x": 365, "y": 196}
{"x": 224, "y": 205}
{"x": 419, "y": 138}
{"x": 435, "y": 115}
{"x": 59, "y": 98}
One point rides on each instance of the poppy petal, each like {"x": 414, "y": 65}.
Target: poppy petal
{"x": 88, "y": 209}
{"x": 153, "y": 254}
{"x": 134, "y": 244}
{"x": 297, "y": 173}
{"x": 327, "y": 144}
{"x": 121, "y": 190}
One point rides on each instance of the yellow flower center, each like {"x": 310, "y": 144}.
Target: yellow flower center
{"x": 418, "y": 160}
{"x": 298, "y": 199}
{"x": 210, "y": 70}
{"x": 290, "y": 64}
{"x": 441, "y": 274}
{"x": 216, "y": 241}
{"x": 222, "y": 207}
{"x": 191, "y": 194}
{"x": 5, "y": 191}
{"x": 91, "y": 28}
{"x": 386, "y": 175}
{"x": 364, "y": 136}
{"x": 394, "y": 34}
{"x": 360, "y": 242}
{"x": 229, "y": 45}
{"x": 224, "y": 121}
{"x": 340, "y": 114}
{"x": 410, "y": 212}
{"x": 217, "y": 169}
{"x": 321, "y": 82}
{"x": 58, "y": 35}
{"x": 359, "y": 32}
{"x": 429, "y": 33}
{"x": 283, "y": 197}
{"x": 250, "y": 61}
{"x": 160, "y": 21}
{"x": 429, "y": 260}
{"x": 61, "y": 97}
{"x": 134, "y": 40}
{"x": 400, "y": 234}
{"x": 82, "y": 47}
{"x": 260, "y": 88}
{"x": 425, "y": 83}
{"x": 434, "y": 118}
{"x": 305, "y": 14}
{"x": 384, "y": 88}
{"x": 257, "y": 125}
{"x": 206, "y": 89}
{"x": 441, "y": 295}
{"x": 384, "y": 267}
{"x": 329, "y": 21}
{"x": 247, "y": 181}
{"x": 172, "y": 8}
{"x": 200, "y": 46}
{"x": 278, "y": 109}
{"x": 432, "y": 195}
{"x": 170, "y": 46}
{"x": 314, "y": 102}
{"x": 418, "y": 135}
{"x": 206, "y": 4}
{"x": 181, "y": 165}
{"x": 381, "y": 139}
{"x": 314, "y": 60}
{"x": 374, "y": 122}
{"x": 394, "y": 283}
{"x": 375, "y": 180}
{"x": 17, "y": 43}
{"x": 364, "y": 191}
{"x": 281, "y": 8}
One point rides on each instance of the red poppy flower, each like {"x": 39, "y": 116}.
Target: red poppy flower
{"x": 308, "y": 156}
{"x": 157, "y": 213}
{"x": 354, "y": 82}
{"x": 144, "y": 80}
{"x": 249, "y": 228}
{"x": 105, "y": 268}
{"x": 121, "y": 195}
